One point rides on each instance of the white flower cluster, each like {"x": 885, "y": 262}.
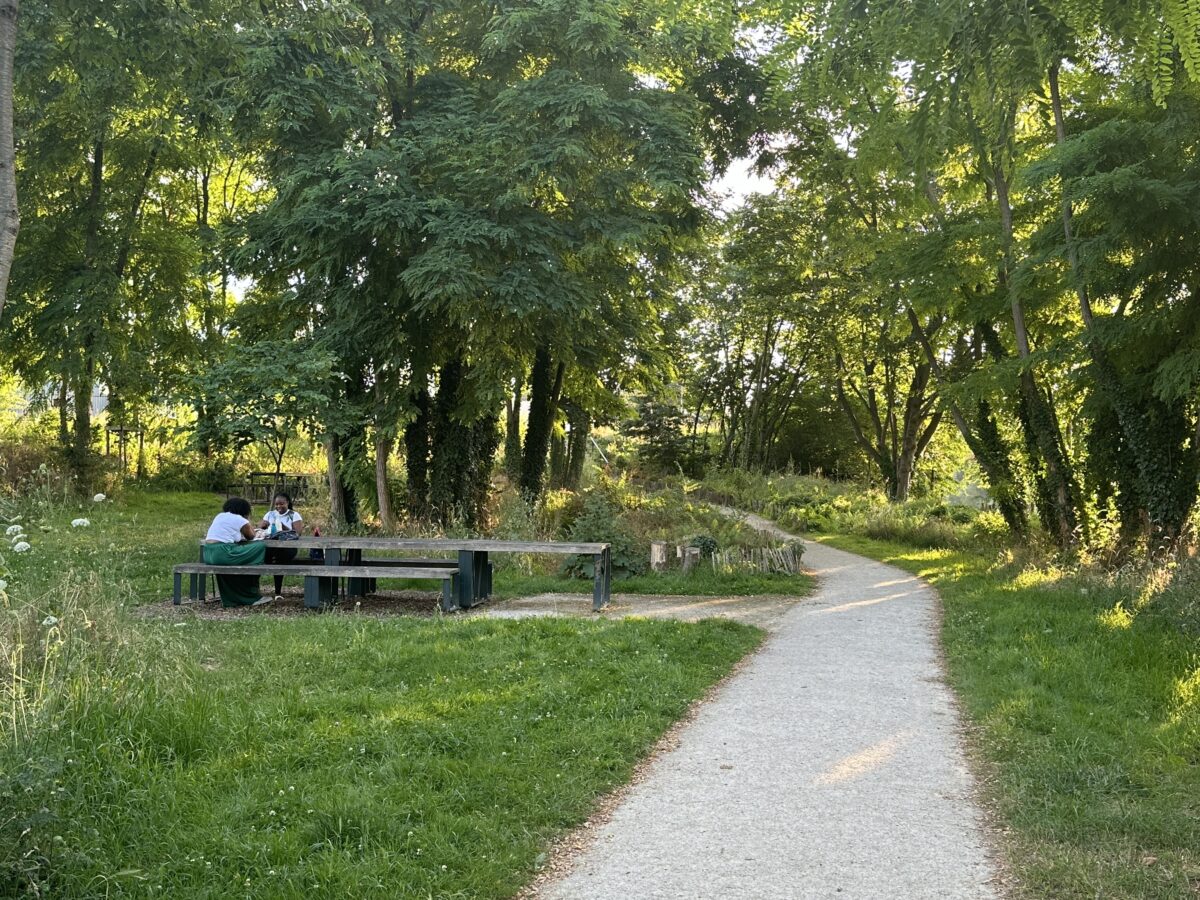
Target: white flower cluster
{"x": 80, "y": 523}
{"x": 16, "y": 534}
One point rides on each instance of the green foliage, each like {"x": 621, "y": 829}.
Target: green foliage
{"x": 599, "y": 521}
{"x": 659, "y": 423}
{"x": 806, "y": 504}
{"x": 264, "y": 394}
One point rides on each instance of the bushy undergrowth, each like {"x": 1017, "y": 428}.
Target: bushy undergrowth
{"x": 624, "y": 514}
{"x": 804, "y": 503}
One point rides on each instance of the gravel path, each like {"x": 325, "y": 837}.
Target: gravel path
{"x": 829, "y": 767}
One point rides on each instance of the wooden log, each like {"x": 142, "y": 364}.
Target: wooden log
{"x": 691, "y": 558}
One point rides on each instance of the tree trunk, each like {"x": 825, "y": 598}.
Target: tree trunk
{"x": 64, "y": 432}
{"x": 82, "y": 446}
{"x": 337, "y": 492}
{"x": 485, "y": 441}
{"x": 10, "y": 220}
{"x": 545, "y": 385}
{"x": 512, "y": 430}
{"x": 558, "y": 461}
{"x": 919, "y": 425}
{"x": 383, "y": 449}
{"x": 416, "y": 454}
{"x": 984, "y": 441}
{"x": 581, "y": 427}
{"x": 1042, "y": 420}
{"x": 450, "y": 449}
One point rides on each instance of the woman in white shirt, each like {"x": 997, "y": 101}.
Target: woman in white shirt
{"x": 282, "y": 523}
{"x": 230, "y": 542}
{"x": 281, "y": 517}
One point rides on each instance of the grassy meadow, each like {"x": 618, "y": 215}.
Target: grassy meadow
{"x": 326, "y": 755}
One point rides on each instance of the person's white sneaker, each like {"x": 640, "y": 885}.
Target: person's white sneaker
{"x": 262, "y": 601}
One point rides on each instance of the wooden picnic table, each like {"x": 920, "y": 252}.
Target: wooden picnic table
{"x": 474, "y": 567}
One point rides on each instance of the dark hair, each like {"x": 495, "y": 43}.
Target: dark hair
{"x": 237, "y": 506}
{"x": 287, "y": 497}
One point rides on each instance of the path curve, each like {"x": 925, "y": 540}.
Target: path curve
{"x": 831, "y": 766}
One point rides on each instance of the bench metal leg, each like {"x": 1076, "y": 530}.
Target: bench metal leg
{"x": 466, "y": 578}
{"x": 318, "y": 591}
{"x": 194, "y": 582}
{"x": 449, "y": 593}
{"x": 482, "y": 577}
{"x": 602, "y": 584}
{"x": 607, "y": 575}
{"x": 178, "y": 595}
{"x": 357, "y": 587}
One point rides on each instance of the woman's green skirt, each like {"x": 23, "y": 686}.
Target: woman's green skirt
{"x": 236, "y": 590}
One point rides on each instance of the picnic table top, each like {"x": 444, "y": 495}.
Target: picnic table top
{"x": 333, "y": 542}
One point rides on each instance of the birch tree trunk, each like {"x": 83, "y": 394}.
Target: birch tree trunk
{"x": 10, "y": 220}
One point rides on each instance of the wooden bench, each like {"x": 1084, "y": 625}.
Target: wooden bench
{"x": 320, "y": 581}
{"x": 482, "y": 576}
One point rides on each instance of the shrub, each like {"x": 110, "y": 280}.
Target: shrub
{"x": 599, "y": 522}
{"x": 707, "y": 543}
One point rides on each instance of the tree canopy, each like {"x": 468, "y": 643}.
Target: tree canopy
{"x": 454, "y": 219}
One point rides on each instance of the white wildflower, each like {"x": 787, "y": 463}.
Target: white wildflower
{"x": 21, "y": 547}
{"x": 80, "y": 523}
{"x": 13, "y": 529}
{"x": 99, "y": 498}
{"x": 50, "y": 620}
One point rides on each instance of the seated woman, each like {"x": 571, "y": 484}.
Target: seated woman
{"x": 282, "y": 523}
{"x": 230, "y": 542}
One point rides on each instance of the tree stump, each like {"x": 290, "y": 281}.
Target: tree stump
{"x": 658, "y": 556}
{"x": 691, "y": 558}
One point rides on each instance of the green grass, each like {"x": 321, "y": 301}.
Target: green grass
{"x": 133, "y": 542}
{"x": 1087, "y": 710}
{"x": 326, "y": 755}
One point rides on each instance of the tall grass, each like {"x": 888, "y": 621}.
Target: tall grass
{"x": 63, "y": 658}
